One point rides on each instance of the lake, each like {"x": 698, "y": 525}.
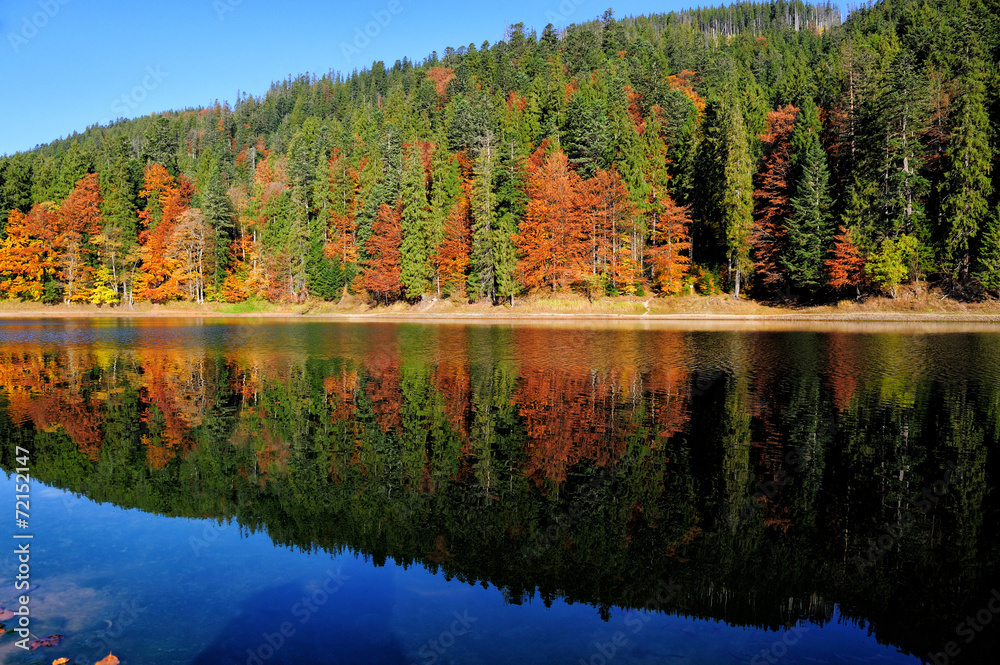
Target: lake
{"x": 261, "y": 491}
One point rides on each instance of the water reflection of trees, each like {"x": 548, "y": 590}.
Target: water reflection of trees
{"x": 589, "y": 466}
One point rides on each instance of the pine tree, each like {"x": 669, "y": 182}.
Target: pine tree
{"x": 587, "y": 133}
{"x": 970, "y": 158}
{"x": 15, "y": 186}
{"x": 219, "y": 214}
{"x": 808, "y": 228}
{"x": 737, "y": 198}
{"x": 446, "y": 193}
{"x": 415, "y": 267}
{"x": 988, "y": 272}
{"x": 483, "y": 204}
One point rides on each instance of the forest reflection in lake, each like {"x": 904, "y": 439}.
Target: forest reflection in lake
{"x": 821, "y": 493}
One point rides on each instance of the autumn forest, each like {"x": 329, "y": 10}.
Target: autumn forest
{"x": 772, "y": 150}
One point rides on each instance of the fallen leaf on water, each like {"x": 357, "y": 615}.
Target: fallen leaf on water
{"x": 111, "y": 659}
{"x": 6, "y": 614}
{"x": 50, "y": 641}
{"x": 60, "y": 661}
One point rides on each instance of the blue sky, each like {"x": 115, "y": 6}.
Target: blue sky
{"x": 67, "y": 64}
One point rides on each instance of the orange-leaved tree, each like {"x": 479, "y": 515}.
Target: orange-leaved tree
{"x": 846, "y": 266}
{"x": 166, "y": 200}
{"x": 670, "y": 253}
{"x": 452, "y": 258}
{"x": 772, "y": 196}
{"x": 79, "y": 219}
{"x": 344, "y": 205}
{"x": 27, "y": 256}
{"x": 382, "y": 270}
{"x": 552, "y": 243}
{"x": 192, "y": 250}
{"x": 609, "y": 220}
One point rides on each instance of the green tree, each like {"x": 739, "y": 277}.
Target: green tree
{"x": 890, "y": 265}
{"x": 219, "y": 214}
{"x": 737, "y": 198}
{"x": 482, "y": 276}
{"x": 809, "y": 231}
{"x": 15, "y": 186}
{"x": 988, "y": 272}
{"x": 970, "y": 156}
{"x": 414, "y": 253}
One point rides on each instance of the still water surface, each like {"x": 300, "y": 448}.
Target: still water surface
{"x": 222, "y": 492}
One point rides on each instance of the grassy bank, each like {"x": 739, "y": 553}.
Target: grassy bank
{"x": 926, "y": 306}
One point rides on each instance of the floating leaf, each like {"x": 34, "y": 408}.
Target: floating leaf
{"x": 6, "y": 614}
{"x": 60, "y": 661}
{"x": 110, "y": 659}
{"x": 50, "y": 641}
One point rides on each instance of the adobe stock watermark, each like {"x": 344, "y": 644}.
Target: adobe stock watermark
{"x": 372, "y": 29}
{"x": 555, "y": 532}
{"x": 433, "y": 649}
{"x": 303, "y": 610}
{"x": 30, "y": 25}
{"x": 634, "y": 621}
{"x": 116, "y": 627}
{"x": 968, "y": 629}
{"x": 208, "y": 536}
{"x": 766, "y": 490}
{"x": 923, "y": 502}
{"x": 779, "y": 648}
{"x": 566, "y": 9}
{"x": 223, "y": 7}
{"x": 131, "y": 100}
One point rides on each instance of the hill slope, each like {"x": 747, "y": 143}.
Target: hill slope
{"x": 761, "y": 146}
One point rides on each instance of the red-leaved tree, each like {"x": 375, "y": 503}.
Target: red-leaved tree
{"x": 382, "y": 270}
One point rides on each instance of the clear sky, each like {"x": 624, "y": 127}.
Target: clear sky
{"x": 67, "y": 64}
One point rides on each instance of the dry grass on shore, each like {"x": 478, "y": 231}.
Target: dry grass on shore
{"x": 925, "y": 305}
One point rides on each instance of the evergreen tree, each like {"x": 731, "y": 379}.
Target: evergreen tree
{"x": 808, "y": 227}
{"x": 482, "y": 277}
{"x": 970, "y": 157}
{"x": 219, "y": 214}
{"x": 587, "y": 135}
{"x": 988, "y": 273}
{"x": 15, "y": 186}
{"x": 737, "y": 197}
{"x": 414, "y": 258}
{"x": 160, "y": 146}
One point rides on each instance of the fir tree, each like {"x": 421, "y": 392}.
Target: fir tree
{"x": 737, "y": 198}
{"x": 970, "y": 158}
{"x": 988, "y": 273}
{"x": 808, "y": 227}
{"x": 414, "y": 258}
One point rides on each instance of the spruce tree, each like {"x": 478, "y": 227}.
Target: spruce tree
{"x": 446, "y": 189}
{"x": 414, "y": 258}
{"x": 988, "y": 268}
{"x": 483, "y": 206}
{"x": 808, "y": 228}
{"x": 219, "y": 214}
{"x": 970, "y": 158}
{"x": 737, "y": 198}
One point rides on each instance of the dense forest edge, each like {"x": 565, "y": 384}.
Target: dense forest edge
{"x": 770, "y": 150}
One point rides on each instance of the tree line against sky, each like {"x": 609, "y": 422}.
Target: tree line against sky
{"x": 766, "y": 148}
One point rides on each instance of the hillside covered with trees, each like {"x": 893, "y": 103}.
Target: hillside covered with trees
{"x": 769, "y": 149}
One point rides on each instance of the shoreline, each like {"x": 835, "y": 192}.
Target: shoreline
{"x": 711, "y": 312}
